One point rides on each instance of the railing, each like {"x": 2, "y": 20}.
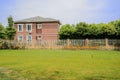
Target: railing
{"x": 71, "y": 44}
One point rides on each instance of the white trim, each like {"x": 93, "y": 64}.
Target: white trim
{"x": 18, "y": 38}
{"x": 39, "y": 38}
{"x": 27, "y": 27}
{"x": 39, "y": 26}
{"x": 27, "y": 38}
{"x": 18, "y": 27}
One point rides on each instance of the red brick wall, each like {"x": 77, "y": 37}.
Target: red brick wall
{"x": 49, "y": 31}
{"x": 34, "y": 28}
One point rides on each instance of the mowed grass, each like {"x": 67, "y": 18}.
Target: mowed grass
{"x": 59, "y": 65}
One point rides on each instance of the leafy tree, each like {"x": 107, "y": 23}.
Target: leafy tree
{"x": 66, "y": 31}
{"x": 10, "y": 31}
{"x": 116, "y": 24}
{"x": 82, "y": 30}
{"x": 2, "y": 33}
{"x": 93, "y": 31}
{"x": 106, "y": 30}
{"x": 10, "y": 21}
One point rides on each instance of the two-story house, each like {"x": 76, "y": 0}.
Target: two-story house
{"x": 36, "y": 29}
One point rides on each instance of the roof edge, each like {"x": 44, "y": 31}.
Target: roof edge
{"x": 37, "y": 19}
{"x": 40, "y": 22}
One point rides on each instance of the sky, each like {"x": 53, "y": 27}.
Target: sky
{"x": 67, "y": 11}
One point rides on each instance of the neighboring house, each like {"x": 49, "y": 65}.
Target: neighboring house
{"x": 36, "y": 29}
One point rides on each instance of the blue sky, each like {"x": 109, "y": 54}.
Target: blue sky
{"x": 67, "y": 11}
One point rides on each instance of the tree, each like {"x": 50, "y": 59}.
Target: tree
{"x": 93, "y": 31}
{"x": 116, "y": 24}
{"x": 106, "y": 30}
{"x": 10, "y": 31}
{"x": 2, "y": 33}
{"x": 82, "y": 30}
{"x": 66, "y": 32}
{"x": 10, "y": 22}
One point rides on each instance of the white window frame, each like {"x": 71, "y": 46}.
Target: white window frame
{"x": 39, "y": 26}
{"x": 39, "y": 38}
{"x": 27, "y": 28}
{"x": 27, "y": 38}
{"x": 18, "y": 38}
{"x": 18, "y": 27}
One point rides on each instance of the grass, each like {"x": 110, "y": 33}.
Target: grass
{"x": 59, "y": 65}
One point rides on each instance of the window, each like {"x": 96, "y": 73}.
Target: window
{"x": 39, "y": 26}
{"x": 38, "y": 37}
{"x": 20, "y": 27}
{"x": 29, "y": 38}
{"x": 29, "y": 27}
{"x": 20, "y": 38}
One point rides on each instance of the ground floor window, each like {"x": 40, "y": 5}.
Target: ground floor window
{"x": 29, "y": 38}
{"x": 39, "y": 38}
{"x": 20, "y": 38}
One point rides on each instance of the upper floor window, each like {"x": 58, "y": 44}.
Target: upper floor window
{"x": 20, "y": 38}
{"x": 20, "y": 27}
{"x": 29, "y": 27}
{"x": 39, "y": 26}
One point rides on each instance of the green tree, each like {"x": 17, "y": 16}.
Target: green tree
{"x": 106, "y": 30}
{"x": 116, "y": 24}
{"x": 93, "y": 31}
{"x": 2, "y": 33}
{"x": 82, "y": 30}
{"x": 10, "y": 31}
{"x": 66, "y": 31}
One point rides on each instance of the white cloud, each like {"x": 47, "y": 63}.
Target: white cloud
{"x": 68, "y": 11}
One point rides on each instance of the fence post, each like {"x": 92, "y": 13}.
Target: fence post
{"x": 87, "y": 43}
{"x": 106, "y": 43}
{"x": 68, "y": 43}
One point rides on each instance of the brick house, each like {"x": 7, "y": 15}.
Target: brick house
{"x": 36, "y": 29}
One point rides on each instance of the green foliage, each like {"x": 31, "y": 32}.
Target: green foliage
{"x": 7, "y": 33}
{"x": 10, "y": 31}
{"x": 116, "y": 24}
{"x": 94, "y": 30}
{"x": 106, "y": 30}
{"x": 66, "y": 31}
{"x": 83, "y": 30}
{"x": 2, "y": 33}
{"x": 4, "y": 45}
{"x": 10, "y": 21}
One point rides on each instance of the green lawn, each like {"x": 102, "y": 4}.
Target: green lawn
{"x": 59, "y": 65}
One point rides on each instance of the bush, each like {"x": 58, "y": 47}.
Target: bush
{"x": 5, "y": 45}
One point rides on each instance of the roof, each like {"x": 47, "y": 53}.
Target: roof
{"x": 37, "y": 19}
